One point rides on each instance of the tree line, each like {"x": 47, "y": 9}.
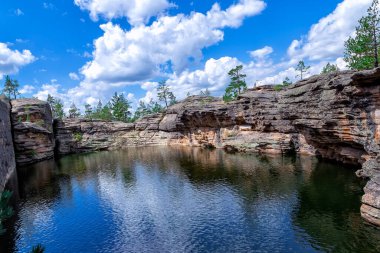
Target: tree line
{"x": 118, "y": 108}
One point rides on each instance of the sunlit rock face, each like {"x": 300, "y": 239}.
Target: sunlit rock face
{"x": 7, "y": 156}
{"x": 334, "y": 116}
{"x": 32, "y": 130}
{"x": 86, "y": 135}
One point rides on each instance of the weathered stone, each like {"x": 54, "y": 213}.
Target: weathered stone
{"x": 84, "y": 135}
{"x": 32, "y": 130}
{"x": 7, "y": 156}
{"x": 335, "y": 116}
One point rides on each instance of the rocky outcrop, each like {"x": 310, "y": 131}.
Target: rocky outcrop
{"x": 7, "y": 156}
{"x": 370, "y": 208}
{"x": 334, "y": 116}
{"x": 32, "y": 130}
{"x": 86, "y": 135}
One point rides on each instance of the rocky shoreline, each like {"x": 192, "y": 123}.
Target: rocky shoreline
{"x": 334, "y": 116}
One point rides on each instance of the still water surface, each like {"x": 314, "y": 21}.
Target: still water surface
{"x": 188, "y": 200}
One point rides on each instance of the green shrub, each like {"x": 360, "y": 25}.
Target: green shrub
{"x": 78, "y": 137}
{"x": 38, "y": 249}
{"x": 5, "y": 210}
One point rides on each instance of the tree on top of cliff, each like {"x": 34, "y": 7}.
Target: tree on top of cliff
{"x": 58, "y": 109}
{"x": 120, "y": 107}
{"x": 205, "y": 93}
{"x": 56, "y": 106}
{"x": 330, "y": 68}
{"x": 165, "y": 95}
{"x": 287, "y": 82}
{"x": 302, "y": 68}
{"x": 147, "y": 108}
{"x": 362, "y": 51}
{"x": 11, "y": 88}
{"x": 88, "y": 111}
{"x": 237, "y": 84}
{"x": 74, "y": 111}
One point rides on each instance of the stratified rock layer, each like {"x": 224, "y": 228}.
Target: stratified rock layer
{"x": 7, "y": 156}
{"x": 334, "y": 116}
{"x": 86, "y": 135}
{"x": 32, "y": 130}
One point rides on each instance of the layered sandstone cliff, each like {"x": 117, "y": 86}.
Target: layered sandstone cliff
{"x": 334, "y": 116}
{"x": 33, "y": 131}
{"x": 7, "y": 156}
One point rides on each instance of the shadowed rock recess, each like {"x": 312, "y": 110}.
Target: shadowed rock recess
{"x": 334, "y": 116}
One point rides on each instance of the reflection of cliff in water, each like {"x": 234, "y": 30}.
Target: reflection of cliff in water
{"x": 42, "y": 187}
{"x": 321, "y": 200}
{"x": 273, "y": 198}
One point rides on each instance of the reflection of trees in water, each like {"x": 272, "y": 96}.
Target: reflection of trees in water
{"x": 329, "y": 211}
{"x": 322, "y": 190}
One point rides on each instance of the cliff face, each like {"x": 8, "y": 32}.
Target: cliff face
{"x": 334, "y": 116}
{"x": 86, "y": 135}
{"x": 32, "y": 130}
{"x": 7, "y": 156}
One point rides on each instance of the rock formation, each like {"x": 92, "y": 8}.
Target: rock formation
{"x": 334, "y": 116}
{"x": 32, "y": 130}
{"x": 7, "y": 156}
{"x": 86, "y": 135}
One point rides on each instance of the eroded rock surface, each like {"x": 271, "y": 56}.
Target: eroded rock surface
{"x": 32, "y": 130}
{"x": 334, "y": 116}
{"x": 86, "y": 135}
{"x": 7, "y": 156}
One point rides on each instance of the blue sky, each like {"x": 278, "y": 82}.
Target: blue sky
{"x": 85, "y": 50}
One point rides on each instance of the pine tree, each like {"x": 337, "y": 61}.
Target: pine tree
{"x": 58, "y": 109}
{"x": 88, "y": 111}
{"x": 165, "y": 95}
{"x": 8, "y": 87}
{"x": 74, "y": 111}
{"x": 330, "y": 68}
{"x": 155, "y": 107}
{"x": 302, "y": 68}
{"x": 287, "y": 82}
{"x": 56, "y": 106}
{"x": 362, "y": 51}
{"x": 51, "y": 101}
{"x": 15, "y": 91}
{"x": 106, "y": 113}
{"x": 237, "y": 84}
{"x": 11, "y": 88}
{"x": 205, "y": 93}
{"x": 120, "y": 107}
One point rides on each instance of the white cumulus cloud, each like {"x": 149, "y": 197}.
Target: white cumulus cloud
{"x": 326, "y": 38}
{"x": 12, "y": 60}
{"x": 136, "y": 11}
{"x": 74, "y": 76}
{"x": 170, "y": 42}
{"x": 27, "y": 89}
{"x": 261, "y": 53}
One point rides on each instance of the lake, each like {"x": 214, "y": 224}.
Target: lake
{"x": 161, "y": 199}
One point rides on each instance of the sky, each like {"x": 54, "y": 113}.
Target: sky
{"x": 85, "y": 50}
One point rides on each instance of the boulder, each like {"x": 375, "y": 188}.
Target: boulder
{"x": 32, "y": 130}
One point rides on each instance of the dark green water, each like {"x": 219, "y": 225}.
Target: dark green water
{"x": 188, "y": 200}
